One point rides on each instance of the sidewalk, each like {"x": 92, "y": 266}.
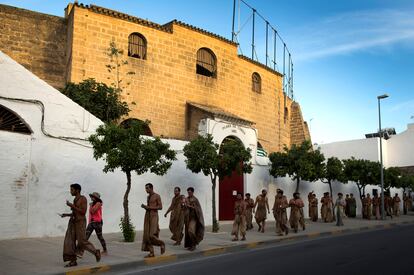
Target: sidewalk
{"x": 44, "y": 255}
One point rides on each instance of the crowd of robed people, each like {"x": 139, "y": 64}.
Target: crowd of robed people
{"x": 187, "y": 222}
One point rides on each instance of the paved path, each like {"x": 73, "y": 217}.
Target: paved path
{"x": 44, "y": 255}
{"x": 377, "y": 252}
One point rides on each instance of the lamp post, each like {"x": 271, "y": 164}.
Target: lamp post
{"x": 382, "y": 167}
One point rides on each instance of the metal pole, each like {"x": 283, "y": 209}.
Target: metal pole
{"x": 382, "y": 168}
{"x": 284, "y": 65}
{"x": 291, "y": 84}
{"x": 254, "y": 11}
{"x": 234, "y": 16}
{"x": 274, "y": 50}
{"x": 267, "y": 27}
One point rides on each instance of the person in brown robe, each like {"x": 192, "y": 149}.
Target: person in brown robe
{"x": 313, "y": 207}
{"x": 396, "y": 203}
{"x": 347, "y": 208}
{"x": 388, "y": 204}
{"x": 262, "y": 204}
{"x": 376, "y": 202}
{"x": 279, "y": 212}
{"x": 310, "y": 196}
{"x": 75, "y": 238}
{"x": 405, "y": 203}
{"x": 177, "y": 216}
{"x": 369, "y": 207}
{"x": 365, "y": 206}
{"x": 194, "y": 221}
{"x": 326, "y": 209}
{"x": 249, "y": 211}
{"x": 151, "y": 231}
{"x": 239, "y": 223}
{"x": 296, "y": 204}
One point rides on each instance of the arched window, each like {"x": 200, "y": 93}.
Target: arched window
{"x": 11, "y": 122}
{"x": 206, "y": 63}
{"x": 137, "y": 46}
{"x": 146, "y": 129}
{"x": 286, "y": 115}
{"x": 256, "y": 83}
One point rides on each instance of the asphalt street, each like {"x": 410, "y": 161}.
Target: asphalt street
{"x": 387, "y": 251}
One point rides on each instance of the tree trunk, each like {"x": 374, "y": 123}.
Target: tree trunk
{"x": 333, "y": 205}
{"x": 360, "y": 193}
{"x": 330, "y": 188}
{"x": 297, "y": 185}
{"x": 213, "y": 189}
{"x": 126, "y": 209}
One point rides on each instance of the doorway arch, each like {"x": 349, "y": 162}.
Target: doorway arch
{"x": 229, "y": 186}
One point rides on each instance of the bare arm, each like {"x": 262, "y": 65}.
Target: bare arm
{"x": 267, "y": 205}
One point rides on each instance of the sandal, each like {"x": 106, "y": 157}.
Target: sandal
{"x": 71, "y": 264}
{"x": 151, "y": 255}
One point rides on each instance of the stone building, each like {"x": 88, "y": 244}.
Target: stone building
{"x": 183, "y": 75}
{"x": 186, "y": 81}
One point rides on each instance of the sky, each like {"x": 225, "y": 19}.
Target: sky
{"x": 345, "y": 53}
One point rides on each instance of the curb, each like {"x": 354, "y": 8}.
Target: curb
{"x": 222, "y": 250}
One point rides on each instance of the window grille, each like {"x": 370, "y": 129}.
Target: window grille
{"x": 206, "y": 63}
{"x": 256, "y": 83}
{"x": 137, "y": 46}
{"x": 9, "y": 121}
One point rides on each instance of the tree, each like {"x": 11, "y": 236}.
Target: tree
{"x": 391, "y": 178}
{"x": 299, "y": 162}
{"x": 333, "y": 171}
{"x": 362, "y": 172}
{"x": 125, "y": 148}
{"x": 102, "y": 101}
{"x": 115, "y": 66}
{"x": 203, "y": 155}
{"x": 406, "y": 182}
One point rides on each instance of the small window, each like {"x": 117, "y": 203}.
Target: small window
{"x": 137, "y": 46}
{"x": 256, "y": 83}
{"x": 11, "y": 122}
{"x": 206, "y": 63}
{"x": 286, "y": 115}
{"x": 146, "y": 129}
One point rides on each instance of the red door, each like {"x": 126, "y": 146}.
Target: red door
{"x": 226, "y": 198}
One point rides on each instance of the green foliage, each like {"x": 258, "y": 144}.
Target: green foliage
{"x": 333, "y": 170}
{"x": 203, "y": 155}
{"x": 127, "y": 229}
{"x": 391, "y": 177}
{"x": 299, "y": 162}
{"x": 102, "y": 101}
{"x": 232, "y": 154}
{"x": 115, "y": 66}
{"x": 125, "y": 148}
{"x": 406, "y": 182}
{"x": 362, "y": 172}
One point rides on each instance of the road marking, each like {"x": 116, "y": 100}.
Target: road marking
{"x": 214, "y": 251}
{"x": 89, "y": 270}
{"x": 160, "y": 259}
{"x": 336, "y": 232}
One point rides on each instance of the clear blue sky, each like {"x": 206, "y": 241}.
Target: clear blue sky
{"x": 345, "y": 53}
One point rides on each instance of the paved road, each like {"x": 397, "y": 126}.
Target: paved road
{"x": 387, "y": 251}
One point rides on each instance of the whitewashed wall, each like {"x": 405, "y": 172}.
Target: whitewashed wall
{"x": 36, "y": 170}
{"x": 401, "y": 148}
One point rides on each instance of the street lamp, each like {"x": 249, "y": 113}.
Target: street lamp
{"x": 382, "y": 167}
